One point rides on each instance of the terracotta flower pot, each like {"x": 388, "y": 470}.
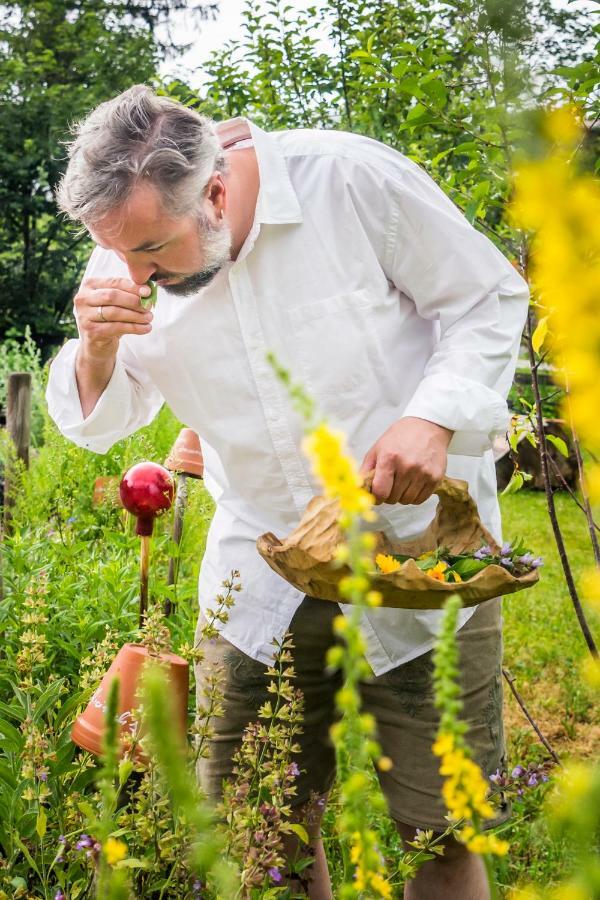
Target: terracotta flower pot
{"x": 186, "y": 454}
{"x": 128, "y": 664}
{"x": 106, "y": 490}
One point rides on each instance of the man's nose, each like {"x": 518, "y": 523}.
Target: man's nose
{"x": 139, "y": 271}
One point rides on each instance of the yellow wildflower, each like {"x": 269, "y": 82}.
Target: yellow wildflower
{"x": 438, "y": 571}
{"x": 336, "y": 470}
{"x": 465, "y": 793}
{"x": 563, "y": 125}
{"x": 114, "y": 851}
{"x": 387, "y": 564}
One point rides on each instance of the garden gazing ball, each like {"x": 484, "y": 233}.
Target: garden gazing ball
{"x": 146, "y": 490}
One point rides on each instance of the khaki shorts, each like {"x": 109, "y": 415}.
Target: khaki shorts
{"x": 401, "y": 701}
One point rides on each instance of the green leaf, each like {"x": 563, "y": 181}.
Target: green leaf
{"x": 87, "y": 809}
{"x": 40, "y": 824}
{"x": 466, "y": 568}
{"x": 515, "y": 484}
{"x": 125, "y": 770}
{"x": 301, "y": 832}
{"x": 539, "y": 335}
{"x": 436, "y": 91}
{"x": 559, "y": 443}
{"x": 131, "y": 862}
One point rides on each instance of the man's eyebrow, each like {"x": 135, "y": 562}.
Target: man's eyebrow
{"x": 147, "y": 245}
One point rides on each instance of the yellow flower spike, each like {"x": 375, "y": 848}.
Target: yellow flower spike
{"x": 368, "y": 540}
{"x": 337, "y": 471}
{"x": 563, "y": 125}
{"x": 572, "y": 785}
{"x": 443, "y": 745}
{"x": 367, "y": 723}
{"x": 114, "y": 851}
{"x": 590, "y": 670}
{"x": 374, "y": 598}
{"x": 526, "y": 893}
{"x": 340, "y": 625}
{"x": 570, "y": 891}
{"x": 342, "y": 553}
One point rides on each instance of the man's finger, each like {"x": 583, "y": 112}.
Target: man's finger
{"x": 383, "y": 482}
{"x": 368, "y": 463}
{"x": 101, "y": 313}
{"x": 101, "y": 331}
{"x": 118, "y": 284}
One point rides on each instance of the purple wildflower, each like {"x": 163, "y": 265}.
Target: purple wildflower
{"x": 43, "y": 776}
{"x": 506, "y": 561}
{"x": 275, "y": 874}
{"x": 537, "y": 562}
{"x": 84, "y": 842}
{"x": 526, "y": 559}
{"x": 59, "y": 895}
{"x": 532, "y": 780}
{"x": 506, "y": 549}
{"x": 517, "y": 772}
{"x": 293, "y": 770}
{"x": 62, "y": 839}
{"x": 484, "y": 551}
{"x": 498, "y": 778}
{"x": 197, "y": 887}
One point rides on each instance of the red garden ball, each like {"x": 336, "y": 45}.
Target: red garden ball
{"x": 147, "y": 489}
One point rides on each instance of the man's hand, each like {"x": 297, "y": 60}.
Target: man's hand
{"x": 106, "y": 309}
{"x": 409, "y": 460}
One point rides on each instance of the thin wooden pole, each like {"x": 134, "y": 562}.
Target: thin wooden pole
{"x": 144, "y": 560}
{"x": 180, "y": 505}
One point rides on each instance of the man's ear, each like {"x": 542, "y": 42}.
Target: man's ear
{"x": 216, "y": 194}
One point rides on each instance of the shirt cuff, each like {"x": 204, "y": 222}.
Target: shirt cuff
{"x": 474, "y": 412}
{"x": 107, "y": 422}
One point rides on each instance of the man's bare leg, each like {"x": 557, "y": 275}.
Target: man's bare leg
{"x": 317, "y": 874}
{"x": 457, "y": 875}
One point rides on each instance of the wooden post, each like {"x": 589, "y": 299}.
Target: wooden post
{"x": 18, "y": 425}
{"x": 180, "y": 504}
{"x": 18, "y": 413}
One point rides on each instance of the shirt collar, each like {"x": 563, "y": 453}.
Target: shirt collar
{"x": 277, "y": 203}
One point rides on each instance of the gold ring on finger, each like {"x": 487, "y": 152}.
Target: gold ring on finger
{"x": 101, "y": 314}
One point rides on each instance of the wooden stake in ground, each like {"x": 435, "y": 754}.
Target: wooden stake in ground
{"x": 185, "y": 460}
{"x": 180, "y": 505}
{"x": 18, "y": 425}
{"x": 144, "y": 561}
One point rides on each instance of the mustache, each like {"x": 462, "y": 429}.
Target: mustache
{"x": 189, "y": 284}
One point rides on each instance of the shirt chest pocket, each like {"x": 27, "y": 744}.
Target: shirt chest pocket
{"x": 339, "y": 349}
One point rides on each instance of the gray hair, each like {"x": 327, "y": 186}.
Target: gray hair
{"x": 133, "y": 137}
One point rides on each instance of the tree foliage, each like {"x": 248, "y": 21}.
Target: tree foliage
{"x": 445, "y": 83}
{"x": 58, "y": 60}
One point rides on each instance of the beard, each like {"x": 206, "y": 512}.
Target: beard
{"x": 215, "y": 241}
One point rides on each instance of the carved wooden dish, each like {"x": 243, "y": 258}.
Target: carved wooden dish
{"x": 306, "y": 558}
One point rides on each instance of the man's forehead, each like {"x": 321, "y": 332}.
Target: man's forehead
{"x": 138, "y": 224}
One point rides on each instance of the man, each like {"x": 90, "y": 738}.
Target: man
{"x": 403, "y": 322}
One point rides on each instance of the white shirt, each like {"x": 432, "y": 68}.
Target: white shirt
{"x": 376, "y": 293}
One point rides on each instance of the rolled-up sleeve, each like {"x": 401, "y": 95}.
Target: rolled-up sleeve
{"x": 456, "y": 276}
{"x": 129, "y": 401}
